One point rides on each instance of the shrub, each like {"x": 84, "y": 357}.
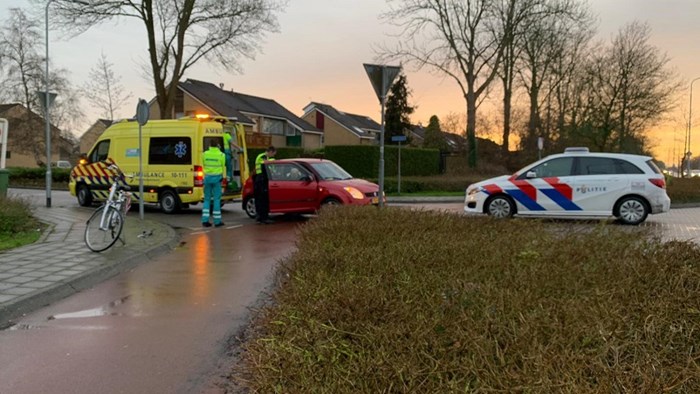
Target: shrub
{"x": 683, "y": 190}
{"x": 15, "y": 216}
{"x": 362, "y": 161}
{"x": 21, "y": 174}
{"x": 418, "y": 301}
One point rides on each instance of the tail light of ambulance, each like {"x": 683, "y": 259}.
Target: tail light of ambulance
{"x": 198, "y": 176}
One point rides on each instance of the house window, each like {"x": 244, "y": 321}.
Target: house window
{"x": 320, "y": 121}
{"x": 179, "y": 102}
{"x": 274, "y": 126}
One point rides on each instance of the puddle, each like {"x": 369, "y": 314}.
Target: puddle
{"x": 94, "y": 312}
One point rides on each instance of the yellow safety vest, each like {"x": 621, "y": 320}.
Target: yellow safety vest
{"x": 260, "y": 160}
{"x": 214, "y": 162}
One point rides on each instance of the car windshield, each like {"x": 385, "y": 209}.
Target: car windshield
{"x": 330, "y": 171}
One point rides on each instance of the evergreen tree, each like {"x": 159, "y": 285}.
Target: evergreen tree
{"x": 433, "y": 135}
{"x": 398, "y": 110}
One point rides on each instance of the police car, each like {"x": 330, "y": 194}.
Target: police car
{"x": 575, "y": 184}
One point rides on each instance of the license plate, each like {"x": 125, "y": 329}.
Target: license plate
{"x": 375, "y": 200}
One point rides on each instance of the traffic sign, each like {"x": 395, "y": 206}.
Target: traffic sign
{"x": 382, "y": 77}
{"x": 398, "y": 138}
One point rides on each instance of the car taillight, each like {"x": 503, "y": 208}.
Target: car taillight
{"x": 658, "y": 182}
{"x": 198, "y": 176}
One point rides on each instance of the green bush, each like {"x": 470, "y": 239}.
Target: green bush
{"x": 362, "y": 161}
{"x": 15, "y": 216}
{"x": 683, "y": 190}
{"x": 424, "y": 302}
{"x": 21, "y": 174}
{"x": 436, "y": 183}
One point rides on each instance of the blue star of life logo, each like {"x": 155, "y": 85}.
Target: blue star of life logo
{"x": 180, "y": 149}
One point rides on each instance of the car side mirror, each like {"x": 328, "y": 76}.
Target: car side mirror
{"x": 531, "y": 174}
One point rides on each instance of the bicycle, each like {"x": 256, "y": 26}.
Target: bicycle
{"x": 105, "y": 225}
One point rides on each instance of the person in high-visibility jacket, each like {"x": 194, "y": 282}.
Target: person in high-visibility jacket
{"x": 260, "y": 188}
{"x": 214, "y": 166}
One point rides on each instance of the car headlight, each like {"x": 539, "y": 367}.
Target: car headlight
{"x": 471, "y": 192}
{"x": 354, "y": 193}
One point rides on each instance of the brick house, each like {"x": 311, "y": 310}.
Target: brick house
{"x": 266, "y": 122}
{"x": 341, "y": 128}
{"x": 26, "y": 143}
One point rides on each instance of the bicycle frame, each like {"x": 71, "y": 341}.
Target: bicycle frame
{"x": 117, "y": 199}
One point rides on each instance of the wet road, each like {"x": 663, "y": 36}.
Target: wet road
{"x": 162, "y": 327}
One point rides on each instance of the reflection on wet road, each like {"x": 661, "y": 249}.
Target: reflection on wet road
{"x": 162, "y": 327}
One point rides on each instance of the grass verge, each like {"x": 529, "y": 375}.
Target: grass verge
{"x": 17, "y": 225}
{"x": 414, "y": 301}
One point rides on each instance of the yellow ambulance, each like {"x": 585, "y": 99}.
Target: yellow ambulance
{"x": 172, "y": 161}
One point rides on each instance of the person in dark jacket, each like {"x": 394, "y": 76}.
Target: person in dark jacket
{"x": 260, "y": 186}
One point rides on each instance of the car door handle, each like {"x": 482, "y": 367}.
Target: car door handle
{"x": 276, "y": 186}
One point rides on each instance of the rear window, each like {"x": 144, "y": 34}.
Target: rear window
{"x": 170, "y": 150}
{"x": 653, "y": 166}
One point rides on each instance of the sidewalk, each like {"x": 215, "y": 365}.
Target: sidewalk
{"x": 60, "y": 264}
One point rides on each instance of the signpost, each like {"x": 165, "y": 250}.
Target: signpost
{"x": 540, "y": 145}
{"x": 381, "y": 77}
{"x": 142, "y": 115}
{"x": 4, "y": 127}
{"x": 47, "y": 98}
{"x": 399, "y": 139}
{"x": 4, "y": 175}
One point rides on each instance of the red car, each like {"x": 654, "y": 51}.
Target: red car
{"x": 304, "y": 185}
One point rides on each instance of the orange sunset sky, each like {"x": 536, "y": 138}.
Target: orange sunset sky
{"x": 319, "y": 52}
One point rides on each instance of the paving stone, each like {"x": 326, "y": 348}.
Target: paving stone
{"x": 55, "y": 278}
{"x": 37, "y": 273}
{"x": 18, "y": 291}
{"x": 37, "y": 284}
{"x": 18, "y": 271}
{"x": 18, "y": 279}
{"x": 5, "y": 286}
{"x": 6, "y": 297}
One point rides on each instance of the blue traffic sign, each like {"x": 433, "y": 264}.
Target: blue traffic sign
{"x": 398, "y": 138}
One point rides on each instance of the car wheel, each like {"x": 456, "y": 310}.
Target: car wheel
{"x": 249, "y": 207}
{"x": 169, "y": 201}
{"x": 500, "y": 207}
{"x": 330, "y": 201}
{"x": 632, "y": 210}
{"x": 84, "y": 196}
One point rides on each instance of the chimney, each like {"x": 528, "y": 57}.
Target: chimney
{"x": 221, "y": 85}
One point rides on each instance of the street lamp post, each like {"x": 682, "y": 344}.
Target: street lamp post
{"x": 47, "y": 104}
{"x": 690, "y": 122}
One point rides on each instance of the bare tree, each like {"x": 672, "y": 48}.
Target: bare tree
{"x": 551, "y": 41}
{"x": 631, "y": 89}
{"x": 180, "y": 33}
{"x": 22, "y": 76}
{"x": 21, "y": 63}
{"x": 452, "y": 37}
{"x": 103, "y": 89}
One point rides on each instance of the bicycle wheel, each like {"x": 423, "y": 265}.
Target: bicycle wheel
{"x": 99, "y": 238}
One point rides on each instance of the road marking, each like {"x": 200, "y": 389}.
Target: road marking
{"x": 200, "y": 232}
{"x": 232, "y": 227}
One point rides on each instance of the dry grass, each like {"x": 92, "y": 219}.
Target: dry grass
{"x": 404, "y": 301}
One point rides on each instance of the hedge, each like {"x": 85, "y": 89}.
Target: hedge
{"x": 57, "y": 174}
{"x": 362, "y": 161}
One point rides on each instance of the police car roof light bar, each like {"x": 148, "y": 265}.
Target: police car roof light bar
{"x": 577, "y": 150}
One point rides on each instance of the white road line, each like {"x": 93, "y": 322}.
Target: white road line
{"x": 200, "y": 232}
{"x": 232, "y": 227}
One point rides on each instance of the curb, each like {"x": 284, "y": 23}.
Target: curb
{"x": 34, "y": 301}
